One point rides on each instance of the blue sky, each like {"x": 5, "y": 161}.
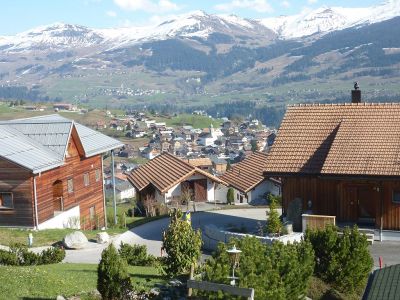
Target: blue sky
{"x": 20, "y": 15}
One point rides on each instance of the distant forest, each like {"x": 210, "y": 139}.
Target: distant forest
{"x": 23, "y": 93}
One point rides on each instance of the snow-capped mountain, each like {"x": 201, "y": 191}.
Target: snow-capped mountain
{"x": 327, "y": 19}
{"x": 53, "y": 36}
{"x": 201, "y": 25}
{"x": 197, "y": 24}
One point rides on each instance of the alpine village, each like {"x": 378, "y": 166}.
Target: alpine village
{"x": 236, "y": 149}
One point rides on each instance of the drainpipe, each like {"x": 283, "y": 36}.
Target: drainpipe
{"x": 35, "y": 203}
{"x": 104, "y": 195}
{"x": 381, "y": 229}
{"x": 113, "y": 184}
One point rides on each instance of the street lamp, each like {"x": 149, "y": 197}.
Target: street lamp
{"x": 234, "y": 256}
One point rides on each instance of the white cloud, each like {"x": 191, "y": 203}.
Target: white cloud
{"x": 111, "y": 13}
{"x": 285, "y": 4}
{"x": 261, "y": 6}
{"x": 312, "y": 1}
{"x": 149, "y": 6}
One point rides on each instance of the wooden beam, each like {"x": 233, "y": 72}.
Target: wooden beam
{"x": 215, "y": 287}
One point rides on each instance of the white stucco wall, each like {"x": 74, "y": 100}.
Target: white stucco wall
{"x": 66, "y": 219}
{"x": 210, "y": 191}
{"x": 173, "y": 192}
{"x": 130, "y": 193}
{"x": 220, "y": 193}
{"x": 256, "y": 195}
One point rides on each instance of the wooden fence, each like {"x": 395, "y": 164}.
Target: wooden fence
{"x": 317, "y": 221}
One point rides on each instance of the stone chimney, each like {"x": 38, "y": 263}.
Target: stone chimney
{"x": 356, "y": 94}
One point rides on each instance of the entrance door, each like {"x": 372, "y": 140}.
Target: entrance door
{"x": 359, "y": 204}
{"x": 200, "y": 190}
{"x": 58, "y": 196}
{"x": 366, "y": 204}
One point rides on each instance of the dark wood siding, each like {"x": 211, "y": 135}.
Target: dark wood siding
{"x": 18, "y": 181}
{"x": 85, "y": 196}
{"x": 341, "y": 198}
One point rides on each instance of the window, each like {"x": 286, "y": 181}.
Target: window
{"x": 396, "y": 197}
{"x": 6, "y": 200}
{"x": 86, "y": 179}
{"x": 98, "y": 175}
{"x": 92, "y": 212}
{"x": 70, "y": 184}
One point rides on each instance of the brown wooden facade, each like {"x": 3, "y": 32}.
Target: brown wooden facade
{"x": 351, "y": 200}
{"x": 53, "y": 194}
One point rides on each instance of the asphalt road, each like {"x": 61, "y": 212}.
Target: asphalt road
{"x": 150, "y": 234}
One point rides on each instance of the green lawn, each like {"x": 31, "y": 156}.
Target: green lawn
{"x": 48, "y": 281}
{"x": 193, "y": 120}
{"x": 45, "y": 237}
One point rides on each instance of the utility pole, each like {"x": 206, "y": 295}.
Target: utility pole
{"x": 113, "y": 184}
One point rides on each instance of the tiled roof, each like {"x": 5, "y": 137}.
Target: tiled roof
{"x": 165, "y": 171}
{"x": 384, "y": 284}
{"x": 247, "y": 174}
{"x": 198, "y": 162}
{"x": 338, "y": 139}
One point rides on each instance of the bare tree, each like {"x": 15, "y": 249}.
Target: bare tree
{"x": 148, "y": 203}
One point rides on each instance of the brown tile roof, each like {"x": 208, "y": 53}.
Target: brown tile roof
{"x": 165, "y": 171}
{"x": 198, "y": 162}
{"x": 338, "y": 139}
{"x": 247, "y": 174}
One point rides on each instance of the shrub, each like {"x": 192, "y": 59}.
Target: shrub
{"x": 274, "y": 198}
{"x": 19, "y": 255}
{"x": 343, "y": 260}
{"x": 275, "y": 271}
{"x": 113, "y": 281}
{"x": 8, "y": 258}
{"x": 136, "y": 255}
{"x": 230, "y": 196}
{"x": 274, "y": 224}
{"x": 182, "y": 245}
{"x": 52, "y": 256}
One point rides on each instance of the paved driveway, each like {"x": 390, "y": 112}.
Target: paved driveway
{"x": 150, "y": 234}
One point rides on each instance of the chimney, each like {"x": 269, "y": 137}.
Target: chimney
{"x": 356, "y": 94}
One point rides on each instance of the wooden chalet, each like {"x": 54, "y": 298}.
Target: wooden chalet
{"x": 341, "y": 160}
{"x": 166, "y": 176}
{"x": 51, "y": 173}
{"x": 248, "y": 181}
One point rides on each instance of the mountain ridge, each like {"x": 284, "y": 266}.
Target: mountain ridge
{"x": 201, "y": 24}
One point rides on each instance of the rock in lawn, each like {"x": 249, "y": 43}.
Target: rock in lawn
{"x": 60, "y": 298}
{"x": 102, "y": 238}
{"x": 75, "y": 240}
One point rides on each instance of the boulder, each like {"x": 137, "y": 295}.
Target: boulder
{"x": 75, "y": 240}
{"x": 102, "y": 237}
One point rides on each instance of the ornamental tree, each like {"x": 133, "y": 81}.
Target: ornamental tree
{"x": 182, "y": 245}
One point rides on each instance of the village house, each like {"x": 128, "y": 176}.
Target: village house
{"x": 342, "y": 160}
{"x": 207, "y": 138}
{"x": 165, "y": 177}
{"x": 51, "y": 173}
{"x": 248, "y": 181}
{"x": 64, "y": 106}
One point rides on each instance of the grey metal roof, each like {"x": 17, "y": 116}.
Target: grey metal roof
{"x": 26, "y": 152}
{"x": 95, "y": 142}
{"x": 40, "y": 143}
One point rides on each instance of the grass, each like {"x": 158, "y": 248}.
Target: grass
{"x": 320, "y": 290}
{"x": 196, "y": 121}
{"x": 45, "y": 237}
{"x": 50, "y": 236}
{"x": 48, "y": 281}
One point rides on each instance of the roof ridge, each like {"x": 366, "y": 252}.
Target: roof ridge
{"x": 344, "y": 104}
{"x": 17, "y": 121}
